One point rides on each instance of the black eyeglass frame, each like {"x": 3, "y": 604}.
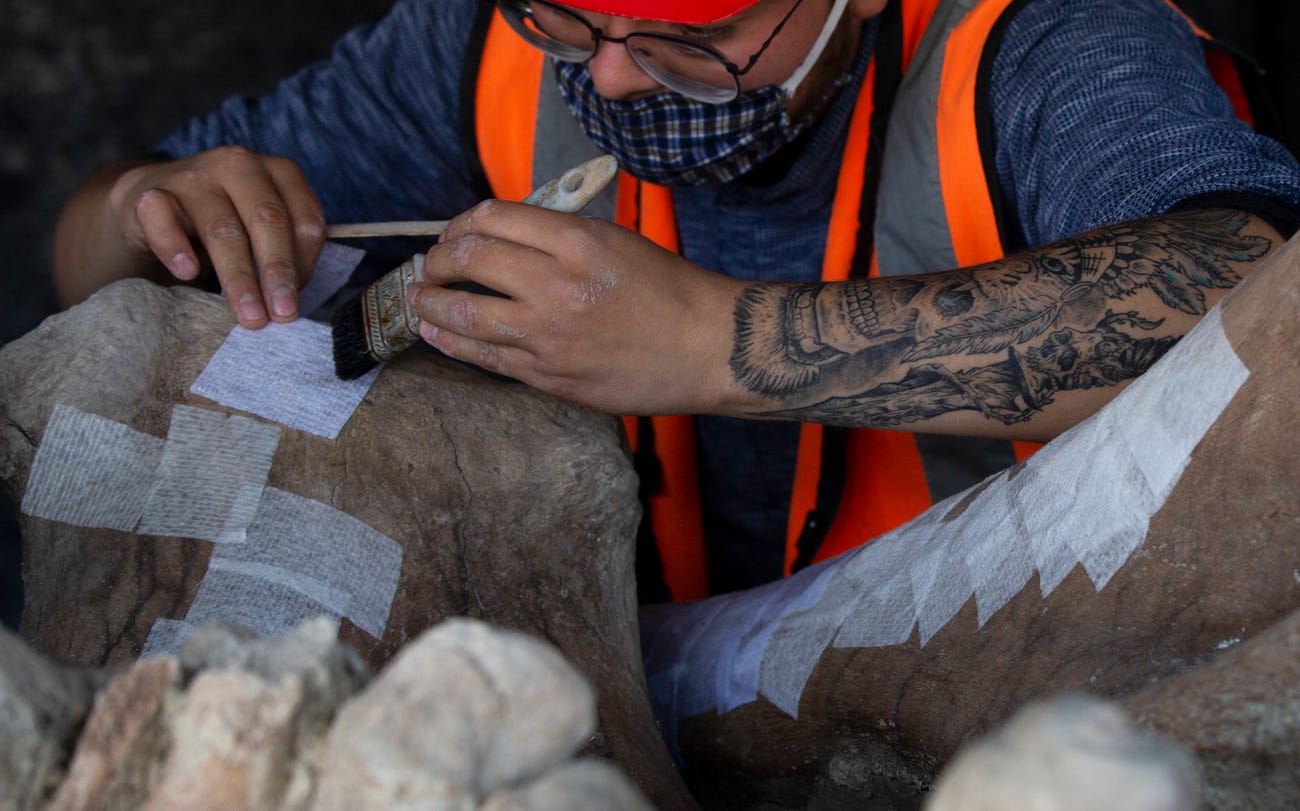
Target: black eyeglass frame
{"x": 515, "y": 11}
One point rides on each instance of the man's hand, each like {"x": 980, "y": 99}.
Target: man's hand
{"x": 253, "y": 216}
{"x": 591, "y": 312}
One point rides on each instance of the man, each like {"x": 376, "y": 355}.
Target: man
{"x": 1067, "y": 174}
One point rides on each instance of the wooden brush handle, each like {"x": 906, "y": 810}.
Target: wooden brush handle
{"x": 408, "y": 228}
{"x": 569, "y": 192}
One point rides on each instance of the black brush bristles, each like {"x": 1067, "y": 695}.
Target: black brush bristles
{"x": 352, "y": 356}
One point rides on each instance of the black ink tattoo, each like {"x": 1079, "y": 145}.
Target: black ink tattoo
{"x": 799, "y": 329}
{"x": 1010, "y": 390}
{"x": 885, "y": 351}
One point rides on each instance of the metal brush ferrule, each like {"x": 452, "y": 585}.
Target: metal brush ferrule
{"x": 390, "y": 323}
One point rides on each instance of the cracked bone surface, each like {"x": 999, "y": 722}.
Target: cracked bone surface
{"x": 507, "y": 506}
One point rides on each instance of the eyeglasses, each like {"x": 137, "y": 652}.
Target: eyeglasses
{"x": 694, "y": 69}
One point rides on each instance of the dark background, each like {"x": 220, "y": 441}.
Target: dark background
{"x": 84, "y": 83}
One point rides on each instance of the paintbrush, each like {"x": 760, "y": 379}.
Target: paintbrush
{"x": 379, "y": 324}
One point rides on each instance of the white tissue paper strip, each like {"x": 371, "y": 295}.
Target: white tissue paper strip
{"x": 284, "y": 373}
{"x": 1086, "y": 499}
{"x": 165, "y": 638}
{"x": 298, "y": 559}
{"x": 341, "y": 565}
{"x": 210, "y": 479}
{"x": 302, "y": 559}
{"x": 90, "y": 471}
{"x": 333, "y": 269}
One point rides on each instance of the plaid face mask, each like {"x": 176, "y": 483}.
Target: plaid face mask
{"x": 671, "y": 140}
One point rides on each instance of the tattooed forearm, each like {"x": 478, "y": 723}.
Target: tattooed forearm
{"x": 1008, "y": 391}
{"x": 797, "y": 330}
{"x": 999, "y": 339}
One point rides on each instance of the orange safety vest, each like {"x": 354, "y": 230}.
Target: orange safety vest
{"x": 850, "y": 485}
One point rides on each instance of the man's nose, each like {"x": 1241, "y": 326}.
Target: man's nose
{"x": 617, "y": 76}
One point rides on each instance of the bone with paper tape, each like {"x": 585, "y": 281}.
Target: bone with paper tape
{"x": 379, "y": 324}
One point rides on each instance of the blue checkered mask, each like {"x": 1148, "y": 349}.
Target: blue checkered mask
{"x": 674, "y": 140}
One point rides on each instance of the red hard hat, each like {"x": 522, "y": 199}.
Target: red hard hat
{"x": 691, "y": 12}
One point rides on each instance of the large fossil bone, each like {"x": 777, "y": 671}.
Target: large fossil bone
{"x": 471, "y": 497}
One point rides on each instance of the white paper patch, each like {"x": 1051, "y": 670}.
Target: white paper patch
{"x": 299, "y": 558}
{"x": 302, "y": 559}
{"x": 333, "y": 269}
{"x": 284, "y": 373}
{"x": 210, "y": 478}
{"x": 342, "y": 564}
{"x": 165, "y": 638}
{"x": 803, "y": 632}
{"x": 90, "y": 471}
{"x": 266, "y": 607}
{"x": 1086, "y": 499}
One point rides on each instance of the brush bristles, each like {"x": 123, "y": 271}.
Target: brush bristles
{"x": 352, "y": 356}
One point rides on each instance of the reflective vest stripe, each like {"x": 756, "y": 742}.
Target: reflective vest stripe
{"x": 925, "y": 190}
{"x": 916, "y": 16}
{"x": 525, "y": 134}
{"x": 968, "y": 207}
{"x": 883, "y": 476}
{"x": 674, "y": 502}
{"x": 505, "y": 110}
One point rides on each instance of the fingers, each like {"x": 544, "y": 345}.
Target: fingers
{"x": 596, "y": 313}
{"x": 526, "y": 253}
{"x": 249, "y": 223}
{"x": 166, "y": 220}
{"x": 165, "y": 230}
{"x": 480, "y": 329}
{"x": 495, "y": 245}
{"x": 471, "y": 315}
{"x": 222, "y": 233}
{"x": 548, "y": 231}
{"x": 305, "y": 214}
{"x": 255, "y": 216}
{"x": 500, "y": 262}
{"x": 483, "y": 354}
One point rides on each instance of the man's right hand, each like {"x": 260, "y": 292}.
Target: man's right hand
{"x": 254, "y": 217}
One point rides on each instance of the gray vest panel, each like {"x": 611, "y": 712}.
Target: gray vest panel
{"x": 560, "y": 144}
{"x": 912, "y": 233}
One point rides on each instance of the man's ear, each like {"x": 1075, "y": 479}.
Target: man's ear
{"x": 866, "y": 9}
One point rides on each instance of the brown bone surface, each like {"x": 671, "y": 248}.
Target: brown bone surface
{"x": 1220, "y": 565}
{"x": 510, "y": 506}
